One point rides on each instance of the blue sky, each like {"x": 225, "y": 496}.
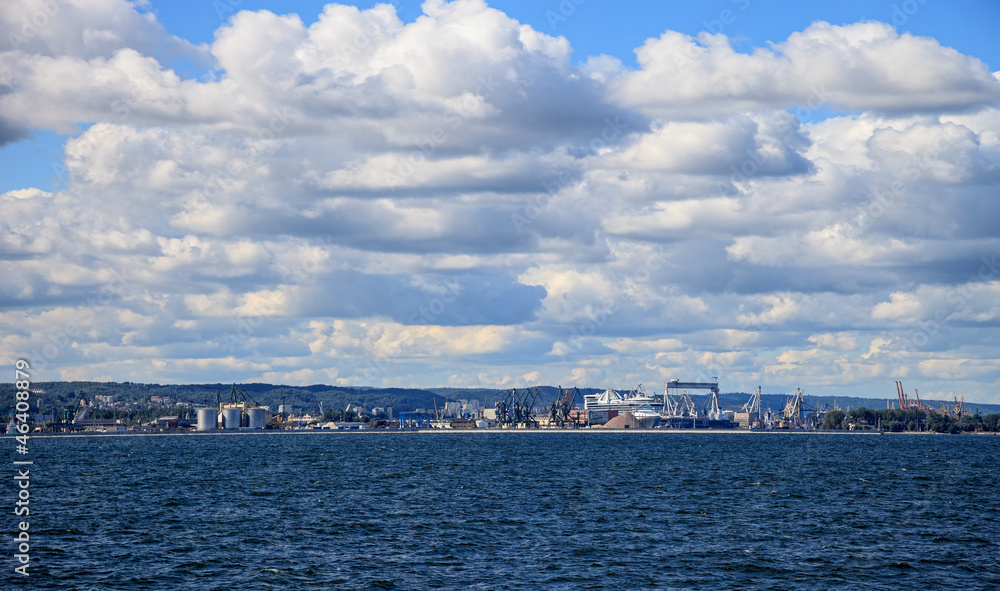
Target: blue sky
{"x": 592, "y": 27}
{"x": 516, "y": 193}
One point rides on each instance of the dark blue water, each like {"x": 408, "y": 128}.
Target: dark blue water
{"x": 514, "y": 511}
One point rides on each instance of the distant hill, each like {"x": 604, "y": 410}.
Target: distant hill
{"x": 301, "y": 398}
{"x": 776, "y": 402}
{"x": 307, "y": 398}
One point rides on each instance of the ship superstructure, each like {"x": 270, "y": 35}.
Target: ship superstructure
{"x": 637, "y": 402}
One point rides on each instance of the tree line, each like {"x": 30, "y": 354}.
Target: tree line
{"x": 55, "y": 397}
{"x": 899, "y": 421}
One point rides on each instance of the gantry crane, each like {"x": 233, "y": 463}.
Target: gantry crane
{"x": 562, "y": 406}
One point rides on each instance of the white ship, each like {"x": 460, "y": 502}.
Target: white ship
{"x": 647, "y": 415}
{"x": 636, "y": 402}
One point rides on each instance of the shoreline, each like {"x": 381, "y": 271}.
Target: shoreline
{"x": 483, "y": 432}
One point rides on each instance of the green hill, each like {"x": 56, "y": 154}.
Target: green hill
{"x": 56, "y": 396}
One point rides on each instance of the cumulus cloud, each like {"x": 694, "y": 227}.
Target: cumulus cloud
{"x": 864, "y": 66}
{"x": 453, "y": 201}
{"x": 85, "y": 28}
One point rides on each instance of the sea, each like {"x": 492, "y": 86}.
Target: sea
{"x": 511, "y": 510}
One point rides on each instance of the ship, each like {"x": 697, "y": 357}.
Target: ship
{"x": 612, "y": 402}
{"x": 647, "y": 415}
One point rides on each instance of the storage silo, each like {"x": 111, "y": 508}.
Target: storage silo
{"x": 232, "y": 417}
{"x": 257, "y": 417}
{"x": 208, "y": 419}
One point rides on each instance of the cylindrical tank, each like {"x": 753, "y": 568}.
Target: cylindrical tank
{"x": 257, "y": 417}
{"x": 208, "y": 419}
{"x": 231, "y": 417}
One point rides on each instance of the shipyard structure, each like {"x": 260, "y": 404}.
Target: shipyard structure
{"x": 674, "y": 408}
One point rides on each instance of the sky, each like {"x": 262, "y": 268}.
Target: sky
{"x": 506, "y": 194}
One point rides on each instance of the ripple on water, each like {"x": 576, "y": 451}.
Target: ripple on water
{"x": 515, "y": 511}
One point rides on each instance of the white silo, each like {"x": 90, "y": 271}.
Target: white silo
{"x": 208, "y": 419}
{"x": 257, "y": 417}
{"x": 232, "y": 417}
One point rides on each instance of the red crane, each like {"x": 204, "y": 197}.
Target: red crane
{"x": 906, "y": 404}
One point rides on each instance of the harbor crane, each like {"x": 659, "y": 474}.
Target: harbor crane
{"x": 794, "y": 406}
{"x": 82, "y": 412}
{"x": 562, "y": 406}
{"x": 712, "y": 409}
{"x": 515, "y": 408}
{"x": 906, "y": 403}
{"x": 235, "y": 395}
{"x": 960, "y": 410}
{"x": 679, "y": 406}
{"x": 752, "y": 408}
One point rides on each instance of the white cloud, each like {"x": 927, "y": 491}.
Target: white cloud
{"x": 861, "y": 66}
{"x": 778, "y": 308}
{"x": 86, "y": 28}
{"x": 842, "y": 341}
{"x": 30, "y": 193}
{"x": 974, "y": 301}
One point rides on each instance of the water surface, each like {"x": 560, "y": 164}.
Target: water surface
{"x": 515, "y": 511}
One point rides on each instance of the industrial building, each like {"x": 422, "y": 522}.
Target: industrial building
{"x": 239, "y": 412}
